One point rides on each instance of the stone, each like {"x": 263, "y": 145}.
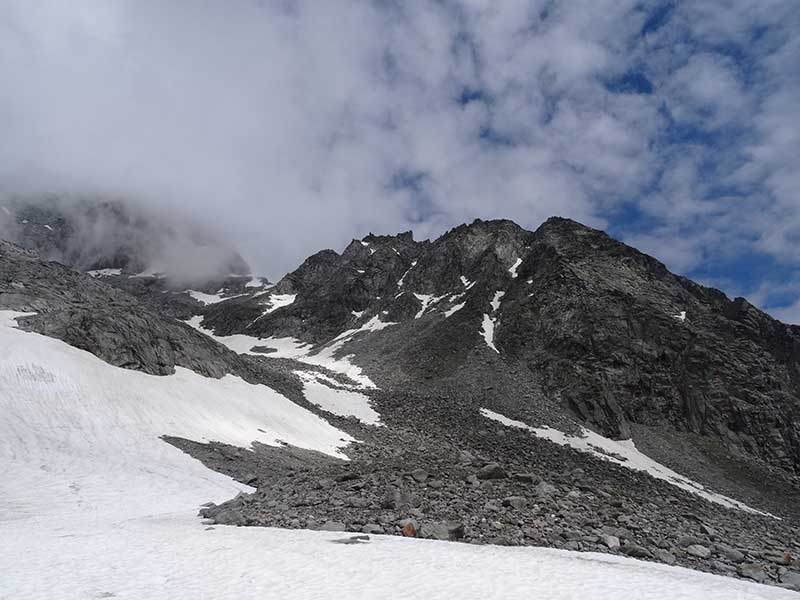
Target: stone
{"x": 752, "y": 571}
{"x": 725, "y": 567}
{"x": 526, "y": 477}
{"x": 544, "y": 489}
{"x": 358, "y": 501}
{"x": 664, "y": 556}
{"x": 466, "y": 458}
{"x": 492, "y": 471}
{"x": 791, "y": 580}
{"x": 516, "y": 502}
{"x": 419, "y": 475}
{"x": 450, "y": 530}
{"x": 732, "y": 554}
{"x": 333, "y": 526}
{"x": 698, "y": 551}
{"x": 708, "y": 530}
{"x": 372, "y": 528}
{"x": 610, "y": 541}
{"x": 229, "y": 517}
{"x": 636, "y": 551}
{"x": 777, "y": 557}
{"x": 689, "y": 540}
{"x": 409, "y": 530}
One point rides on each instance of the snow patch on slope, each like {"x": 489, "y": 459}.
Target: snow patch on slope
{"x": 208, "y": 299}
{"x": 466, "y": 282}
{"x": 277, "y": 301}
{"x": 513, "y": 268}
{"x": 451, "y": 311}
{"x": 426, "y": 300}
{"x": 243, "y": 344}
{"x": 488, "y": 332}
{"x": 623, "y": 453}
{"x": 342, "y": 402}
{"x": 402, "y": 279}
{"x": 255, "y": 282}
{"x": 498, "y": 296}
{"x": 301, "y": 351}
{"x": 104, "y": 272}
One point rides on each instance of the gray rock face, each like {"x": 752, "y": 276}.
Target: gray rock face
{"x": 752, "y": 571}
{"x": 492, "y": 471}
{"x": 698, "y": 551}
{"x": 791, "y": 580}
{"x": 451, "y": 530}
{"x": 611, "y": 541}
{"x": 636, "y": 551}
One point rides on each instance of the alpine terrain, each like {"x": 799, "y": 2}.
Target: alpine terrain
{"x": 494, "y": 413}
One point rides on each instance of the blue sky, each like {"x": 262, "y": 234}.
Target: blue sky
{"x": 294, "y": 125}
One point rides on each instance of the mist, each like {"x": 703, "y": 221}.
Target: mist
{"x": 285, "y": 127}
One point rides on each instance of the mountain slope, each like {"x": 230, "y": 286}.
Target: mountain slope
{"x": 484, "y": 374}
{"x": 575, "y": 320}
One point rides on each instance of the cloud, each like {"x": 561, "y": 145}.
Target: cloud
{"x": 294, "y": 125}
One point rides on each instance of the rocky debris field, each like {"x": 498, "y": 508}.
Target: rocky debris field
{"x": 498, "y": 486}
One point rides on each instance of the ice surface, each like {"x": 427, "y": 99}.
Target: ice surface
{"x": 514, "y": 267}
{"x": 623, "y": 453}
{"x": 94, "y": 505}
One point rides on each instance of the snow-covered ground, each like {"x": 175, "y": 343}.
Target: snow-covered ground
{"x": 317, "y": 388}
{"x": 104, "y": 272}
{"x": 210, "y": 298}
{"x": 300, "y": 351}
{"x": 94, "y": 505}
{"x": 623, "y": 453}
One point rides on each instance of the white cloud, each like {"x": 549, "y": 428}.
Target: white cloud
{"x": 291, "y": 125}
